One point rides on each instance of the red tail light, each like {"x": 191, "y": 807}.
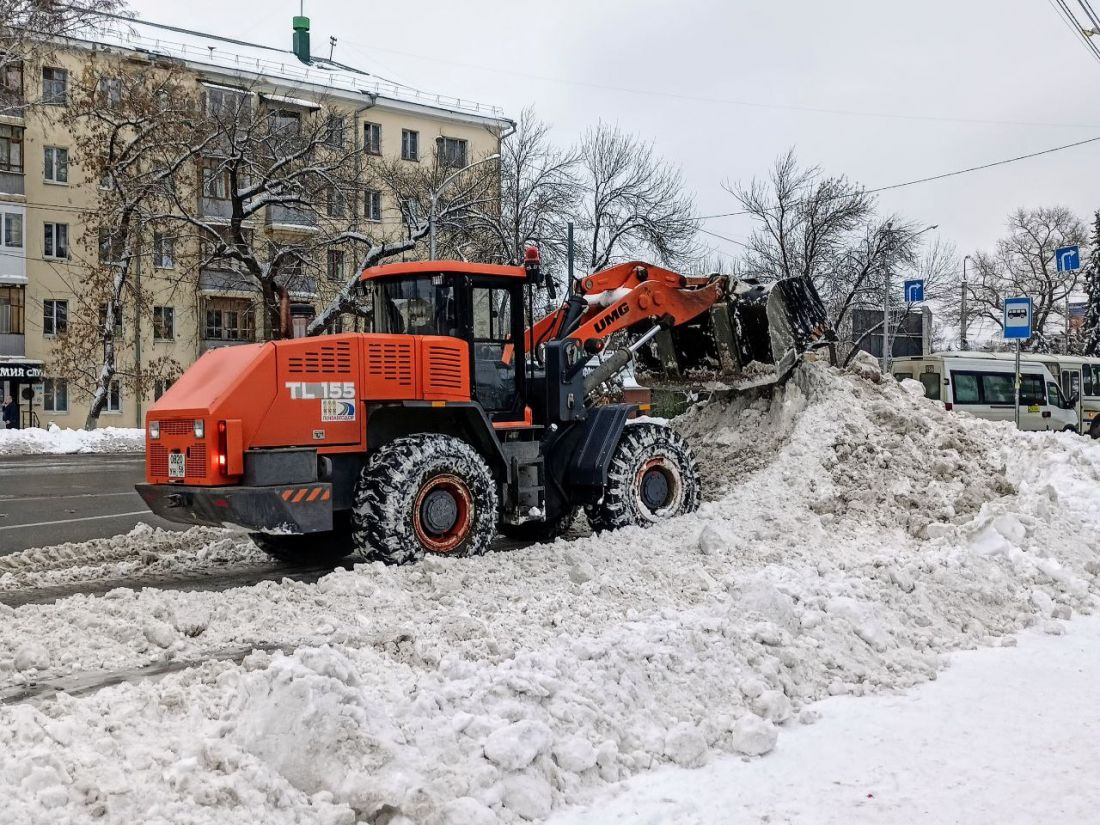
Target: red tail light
{"x": 223, "y": 447}
{"x": 947, "y": 405}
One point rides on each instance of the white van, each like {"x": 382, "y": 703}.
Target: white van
{"x": 983, "y": 385}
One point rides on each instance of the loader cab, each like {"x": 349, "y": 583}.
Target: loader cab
{"x": 483, "y": 309}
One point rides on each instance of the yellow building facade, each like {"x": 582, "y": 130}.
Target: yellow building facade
{"x": 48, "y": 204}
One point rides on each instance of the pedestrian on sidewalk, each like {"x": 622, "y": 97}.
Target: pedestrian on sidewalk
{"x": 11, "y": 414}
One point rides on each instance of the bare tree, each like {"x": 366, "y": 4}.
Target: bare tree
{"x": 126, "y": 142}
{"x": 538, "y": 190}
{"x": 29, "y": 30}
{"x": 465, "y": 200}
{"x": 270, "y": 177}
{"x": 1023, "y": 264}
{"x": 828, "y": 229}
{"x": 631, "y": 201}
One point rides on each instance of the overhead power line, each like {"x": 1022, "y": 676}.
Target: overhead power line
{"x": 1070, "y": 19}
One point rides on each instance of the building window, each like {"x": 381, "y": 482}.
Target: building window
{"x": 106, "y": 181}
{"x": 372, "y": 206}
{"x": 55, "y": 317}
{"x": 336, "y": 202}
{"x": 11, "y": 84}
{"x": 336, "y": 265}
{"x": 13, "y": 230}
{"x": 56, "y": 240}
{"x": 215, "y": 179}
{"x": 56, "y": 164}
{"x": 114, "y": 397}
{"x": 55, "y": 86}
{"x": 11, "y": 310}
{"x": 410, "y": 211}
{"x": 112, "y": 246}
{"x": 452, "y": 151}
{"x": 164, "y": 251}
{"x": 55, "y": 395}
{"x": 334, "y": 131}
{"x": 410, "y": 145}
{"x": 160, "y": 387}
{"x": 300, "y": 317}
{"x": 110, "y": 90}
{"x": 286, "y": 123}
{"x": 372, "y": 138}
{"x": 228, "y": 319}
{"x": 226, "y": 102}
{"x": 117, "y": 331}
{"x": 164, "y": 323}
{"x": 11, "y": 148}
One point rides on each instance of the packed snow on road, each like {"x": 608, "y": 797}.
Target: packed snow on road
{"x": 55, "y": 440}
{"x": 854, "y": 535}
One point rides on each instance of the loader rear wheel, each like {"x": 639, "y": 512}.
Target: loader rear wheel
{"x": 652, "y": 476}
{"x": 425, "y": 493}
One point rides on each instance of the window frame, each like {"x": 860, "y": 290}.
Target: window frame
{"x": 115, "y": 400}
{"x": 54, "y": 99}
{"x": 55, "y": 159}
{"x": 11, "y": 136}
{"x": 164, "y": 317}
{"x": 445, "y": 155}
{"x": 17, "y": 309}
{"x": 164, "y": 251}
{"x": 410, "y": 145}
{"x": 56, "y": 328}
{"x": 335, "y": 273}
{"x": 371, "y": 199}
{"x": 5, "y": 216}
{"x": 372, "y": 145}
{"x": 49, "y": 395}
{"x": 58, "y": 230}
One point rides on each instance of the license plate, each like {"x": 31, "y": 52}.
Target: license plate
{"x": 177, "y": 466}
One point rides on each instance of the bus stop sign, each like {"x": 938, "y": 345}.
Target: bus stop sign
{"x": 1017, "y": 318}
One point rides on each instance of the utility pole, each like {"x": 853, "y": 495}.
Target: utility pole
{"x": 569, "y": 253}
{"x": 886, "y": 309}
{"x": 962, "y": 315}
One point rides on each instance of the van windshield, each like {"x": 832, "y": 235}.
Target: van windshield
{"x": 931, "y": 381}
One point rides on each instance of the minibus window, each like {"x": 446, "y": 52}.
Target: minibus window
{"x": 1031, "y": 390}
{"x": 931, "y": 381}
{"x": 998, "y": 388}
{"x": 966, "y": 388}
{"x": 1086, "y": 380}
{"x": 1053, "y": 396}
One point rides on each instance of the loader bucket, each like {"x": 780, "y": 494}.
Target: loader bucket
{"x": 767, "y": 323}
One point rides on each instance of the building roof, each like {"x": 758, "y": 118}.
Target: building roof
{"x": 227, "y": 56}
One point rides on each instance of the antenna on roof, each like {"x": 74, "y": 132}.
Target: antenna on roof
{"x": 331, "y": 47}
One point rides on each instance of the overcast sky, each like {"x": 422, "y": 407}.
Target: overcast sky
{"x": 723, "y": 87}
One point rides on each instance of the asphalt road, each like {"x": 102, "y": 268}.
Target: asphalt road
{"x": 50, "y": 499}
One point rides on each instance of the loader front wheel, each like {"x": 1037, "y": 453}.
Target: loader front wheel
{"x": 425, "y": 493}
{"x": 652, "y": 477}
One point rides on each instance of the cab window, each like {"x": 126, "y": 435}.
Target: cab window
{"x": 998, "y": 388}
{"x": 494, "y": 375}
{"x": 1031, "y": 391}
{"x": 1053, "y": 396}
{"x": 966, "y": 388}
{"x": 416, "y": 306}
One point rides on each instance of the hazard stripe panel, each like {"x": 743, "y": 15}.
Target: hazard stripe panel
{"x": 306, "y": 494}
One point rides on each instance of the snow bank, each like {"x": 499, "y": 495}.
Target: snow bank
{"x": 865, "y": 534}
{"x": 34, "y": 441}
{"x": 144, "y": 551}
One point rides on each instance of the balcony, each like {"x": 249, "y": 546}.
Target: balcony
{"x": 12, "y": 344}
{"x": 11, "y": 183}
{"x": 291, "y": 219}
{"x": 219, "y": 208}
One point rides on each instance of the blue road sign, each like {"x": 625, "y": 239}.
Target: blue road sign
{"x": 1017, "y": 320}
{"x": 914, "y": 291}
{"x": 1068, "y": 258}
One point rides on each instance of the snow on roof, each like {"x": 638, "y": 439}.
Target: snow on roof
{"x": 236, "y": 57}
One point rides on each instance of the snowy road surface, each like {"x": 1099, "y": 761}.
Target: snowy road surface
{"x": 1006, "y": 736}
{"x": 856, "y": 534}
{"x": 49, "y": 499}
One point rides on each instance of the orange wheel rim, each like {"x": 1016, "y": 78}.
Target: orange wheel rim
{"x": 442, "y": 513}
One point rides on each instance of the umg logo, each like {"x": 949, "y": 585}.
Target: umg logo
{"x": 611, "y": 317}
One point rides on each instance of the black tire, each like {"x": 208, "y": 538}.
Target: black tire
{"x": 540, "y": 531}
{"x": 1094, "y": 430}
{"x": 313, "y": 548}
{"x": 652, "y": 477}
{"x": 424, "y": 493}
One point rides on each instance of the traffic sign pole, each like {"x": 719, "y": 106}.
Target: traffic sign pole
{"x": 1017, "y": 383}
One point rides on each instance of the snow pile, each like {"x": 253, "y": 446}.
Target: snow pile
{"x": 35, "y": 441}
{"x": 144, "y": 551}
{"x": 875, "y": 534}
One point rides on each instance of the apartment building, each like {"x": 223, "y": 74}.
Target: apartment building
{"x": 48, "y": 202}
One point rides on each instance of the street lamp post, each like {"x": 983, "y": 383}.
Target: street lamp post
{"x": 962, "y": 309}
{"x": 886, "y": 345}
{"x": 439, "y": 191}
